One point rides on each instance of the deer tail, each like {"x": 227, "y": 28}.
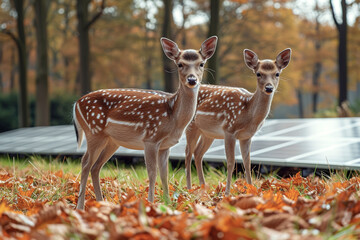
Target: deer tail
{"x": 78, "y": 129}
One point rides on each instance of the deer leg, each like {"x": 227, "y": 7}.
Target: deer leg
{"x": 81, "y": 199}
{"x": 245, "y": 153}
{"x": 106, "y": 154}
{"x": 92, "y": 153}
{"x": 192, "y": 137}
{"x": 200, "y": 150}
{"x": 164, "y": 172}
{"x": 230, "y": 157}
{"x": 151, "y": 154}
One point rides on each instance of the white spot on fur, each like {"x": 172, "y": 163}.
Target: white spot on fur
{"x": 205, "y": 113}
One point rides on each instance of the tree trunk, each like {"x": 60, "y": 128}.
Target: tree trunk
{"x": 212, "y": 77}
{"x": 342, "y": 51}
{"x": 54, "y": 62}
{"x": 147, "y": 52}
{"x": 317, "y": 66}
{"x": 343, "y": 81}
{"x": 300, "y": 101}
{"x": 77, "y": 82}
{"x": 1, "y": 77}
{"x": 13, "y": 69}
{"x": 66, "y": 61}
{"x": 21, "y": 44}
{"x": 42, "y": 117}
{"x": 166, "y": 32}
{"x": 84, "y": 47}
{"x": 316, "y": 77}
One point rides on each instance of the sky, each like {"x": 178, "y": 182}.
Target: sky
{"x": 305, "y": 8}
{"x": 300, "y": 7}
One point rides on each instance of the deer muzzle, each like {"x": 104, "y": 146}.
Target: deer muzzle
{"x": 269, "y": 88}
{"x": 192, "y": 80}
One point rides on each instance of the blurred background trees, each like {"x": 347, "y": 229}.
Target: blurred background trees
{"x": 52, "y": 52}
{"x": 16, "y": 8}
{"x": 42, "y": 117}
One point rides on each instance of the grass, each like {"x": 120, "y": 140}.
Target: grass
{"x": 54, "y": 174}
{"x": 119, "y": 178}
{"x": 36, "y": 165}
{"x": 36, "y": 182}
{"x": 137, "y": 175}
{"x": 126, "y": 176}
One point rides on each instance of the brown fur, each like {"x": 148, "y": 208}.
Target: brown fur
{"x": 267, "y": 66}
{"x": 231, "y": 114}
{"x": 190, "y": 56}
{"x": 147, "y": 120}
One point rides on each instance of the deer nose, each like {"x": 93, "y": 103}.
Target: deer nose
{"x": 192, "y": 80}
{"x": 269, "y": 88}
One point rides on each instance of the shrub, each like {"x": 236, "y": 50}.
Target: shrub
{"x": 8, "y": 112}
{"x": 60, "y": 110}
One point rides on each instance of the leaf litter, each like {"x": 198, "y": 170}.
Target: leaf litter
{"x": 43, "y": 207}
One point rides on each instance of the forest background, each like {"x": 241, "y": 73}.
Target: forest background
{"x": 52, "y": 52}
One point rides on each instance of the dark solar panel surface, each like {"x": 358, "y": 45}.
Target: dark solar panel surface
{"x": 318, "y": 143}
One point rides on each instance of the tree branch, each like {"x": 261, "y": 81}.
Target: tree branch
{"x": 96, "y": 16}
{"x": 229, "y": 48}
{"x": 12, "y": 36}
{"x": 226, "y": 76}
{"x": 333, "y": 15}
{"x": 350, "y": 4}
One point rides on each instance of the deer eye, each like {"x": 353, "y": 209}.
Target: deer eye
{"x": 180, "y": 65}
{"x": 201, "y": 64}
{"x": 258, "y": 74}
{"x": 277, "y": 74}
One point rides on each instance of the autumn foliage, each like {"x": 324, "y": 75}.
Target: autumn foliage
{"x": 126, "y": 52}
{"x": 288, "y": 208}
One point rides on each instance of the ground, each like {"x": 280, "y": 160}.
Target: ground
{"x": 38, "y": 200}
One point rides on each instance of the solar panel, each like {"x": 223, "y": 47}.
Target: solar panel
{"x": 315, "y": 143}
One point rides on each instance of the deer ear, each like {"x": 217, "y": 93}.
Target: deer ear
{"x": 251, "y": 59}
{"x": 208, "y": 47}
{"x": 283, "y": 59}
{"x": 170, "y": 48}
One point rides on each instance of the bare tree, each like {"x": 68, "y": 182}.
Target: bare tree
{"x": 65, "y": 30}
{"x": 214, "y": 30}
{"x": 342, "y": 52}
{"x": 317, "y": 65}
{"x": 84, "y": 25}
{"x": 20, "y": 41}
{"x": 147, "y": 49}
{"x": 14, "y": 67}
{"x": 42, "y": 117}
{"x": 1, "y": 59}
{"x": 166, "y": 32}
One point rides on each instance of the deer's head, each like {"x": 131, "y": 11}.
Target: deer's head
{"x": 190, "y": 62}
{"x": 267, "y": 71}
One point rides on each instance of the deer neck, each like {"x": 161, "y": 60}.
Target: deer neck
{"x": 184, "y": 105}
{"x": 259, "y": 105}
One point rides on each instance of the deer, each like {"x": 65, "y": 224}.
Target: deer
{"x": 232, "y": 114}
{"x": 147, "y": 120}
